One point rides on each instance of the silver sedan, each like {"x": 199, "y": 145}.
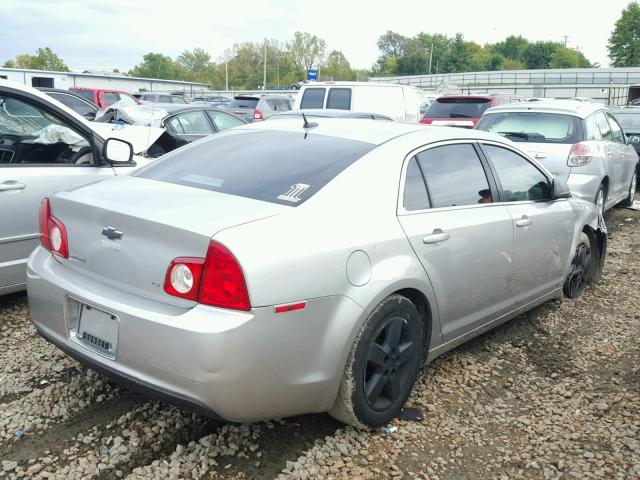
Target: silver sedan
{"x": 284, "y": 267}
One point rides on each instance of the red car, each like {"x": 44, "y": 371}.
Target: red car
{"x": 104, "y": 97}
{"x": 463, "y": 110}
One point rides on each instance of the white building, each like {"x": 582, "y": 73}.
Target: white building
{"x": 115, "y": 81}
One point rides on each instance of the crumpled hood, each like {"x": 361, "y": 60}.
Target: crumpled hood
{"x": 140, "y": 137}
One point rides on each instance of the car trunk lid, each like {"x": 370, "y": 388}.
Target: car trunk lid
{"x": 125, "y": 232}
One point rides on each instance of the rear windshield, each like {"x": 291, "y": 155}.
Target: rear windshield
{"x": 243, "y": 103}
{"x": 458, "y": 108}
{"x": 88, "y": 94}
{"x": 629, "y": 121}
{"x": 533, "y": 127}
{"x": 277, "y": 167}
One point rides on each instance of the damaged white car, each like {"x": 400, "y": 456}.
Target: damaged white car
{"x": 45, "y": 147}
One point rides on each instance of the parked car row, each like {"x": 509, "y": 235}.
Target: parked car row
{"x": 217, "y": 253}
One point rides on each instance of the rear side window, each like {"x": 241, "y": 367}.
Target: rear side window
{"x": 339, "y": 98}
{"x": 76, "y": 104}
{"x": 592, "y": 131}
{"x": 313, "y": 98}
{"x": 244, "y": 103}
{"x": 458, "y": 108}
{"x": 454, "y": 176}
{"x": 415, "y": 190}
{"x": 534, "y": 127}
{"x": 520, "y": 180}
{"x": 616, "y": 131}
{"x": 603, "y": 125}
{"x": 278, "y": 167}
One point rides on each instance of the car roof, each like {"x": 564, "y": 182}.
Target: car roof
{"x": 370, "y": 131}
{"x": 354, "y": 84}
{"x": 567, "y": 107}
{"x": 329, "y": 113}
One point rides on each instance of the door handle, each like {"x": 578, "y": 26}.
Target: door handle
{"x": 524, "y": 221}
{"x": 438, "y": 236}
{"x": 12, "y": 185}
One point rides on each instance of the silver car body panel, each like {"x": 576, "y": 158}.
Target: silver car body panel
{"x": 342, "y": 251}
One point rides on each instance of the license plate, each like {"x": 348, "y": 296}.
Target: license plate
{"x": 98, "y": 330}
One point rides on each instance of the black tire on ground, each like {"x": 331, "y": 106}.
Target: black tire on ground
{"x": 583, "y": 263}
{"x": 627, "y": 202}
{"x": 382, "y": 366}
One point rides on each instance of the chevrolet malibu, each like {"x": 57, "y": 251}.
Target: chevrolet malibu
{"x": 291, "y": 267}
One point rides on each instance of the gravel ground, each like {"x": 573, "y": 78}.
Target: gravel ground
{"x": 554, "y": 394}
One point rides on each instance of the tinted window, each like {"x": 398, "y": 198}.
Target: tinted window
{"x": 42, "y": 82}
{"x": 339, "y": 98}
{"x": 278, "y": 167}
{"x": 109, "y": 98}
{"x": 533, "y": 127}
{"x": 88, "y": 94}
{"x": 415, "y": 191}
{"x": 190, "y": 123}
{"x": 458, "y": 108}
{"x": 603, "y": 125}
{"x": 243, "y": 103}
{"x": 224, "y": 120}
{"x": 616, "y": 131}
{"x": 313, "y": 98}
{"x": 73, "y": 102}
{"x": 629, "y": 121}
{"x": 520, "y": 179}
{"x": 454, "y": 176}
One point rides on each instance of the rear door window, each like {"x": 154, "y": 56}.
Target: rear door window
{"x": 603, "y": 125}
{"x": 616, "y": 131}
{"x": 278, "y": 167}
{"x": 454, "y": 176}
{"x": 75, "y": 103}
{"x": 415, "y": 190}
{"x": 458, "y": 108}
{"x": 190, "y": 123}
{"x": 223, "y": 120}
{"x": 339, "y": 98}
{"x": 313, "y": 98}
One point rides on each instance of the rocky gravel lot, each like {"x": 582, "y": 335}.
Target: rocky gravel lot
{"x": 554, "y": 394}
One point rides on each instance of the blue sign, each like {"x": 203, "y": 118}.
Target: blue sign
{"x": 312, "y": 74}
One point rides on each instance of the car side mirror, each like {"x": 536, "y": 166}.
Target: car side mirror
{"x": 115, "y": 150}
{"x": 559, "y": 188}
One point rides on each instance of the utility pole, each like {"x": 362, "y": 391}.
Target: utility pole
{"x": 264, "y": 73}
{"x": 437, "y": 60}
{"x": 430, "y": 57}
{"x": 226, "y": 74}
{"x": 566, "y": 38}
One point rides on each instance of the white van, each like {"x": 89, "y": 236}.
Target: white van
{"x": 400, "y": 102}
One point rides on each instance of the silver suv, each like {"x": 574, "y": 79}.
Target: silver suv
{"x": 258, "y": 107}
{"x": 580, "y": 141}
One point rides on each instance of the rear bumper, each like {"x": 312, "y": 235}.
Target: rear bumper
{"x": 240, "y": 366}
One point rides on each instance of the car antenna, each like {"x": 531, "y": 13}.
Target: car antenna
{"x": 307, "y": 123}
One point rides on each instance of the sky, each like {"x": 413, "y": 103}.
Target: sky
{"x": 107, "y": 34}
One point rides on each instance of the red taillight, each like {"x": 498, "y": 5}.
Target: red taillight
{"x": 580, "y": 154}
{"x": 258, "y": 115}
{"x": 216, "y": 280}
{"x": 183, "y": 277}
{"x": 426, "y": 121}
{"x": 53, "y": 234}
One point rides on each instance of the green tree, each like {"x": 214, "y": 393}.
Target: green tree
{"x": 624, "y": 42}
{"x": 567, "y": 58}
{"x": 512, "y": 47}
{"x": 306, "y": 51}
{"x": 44, "y": 59}
{"x": 538, "y": 54}
{"x": 196, "y": 66}
{"x": 337, "y": 67}
{"x": 415, "y": 59}
{"x": 156, "y": 65}
{"x": 458, "y": 59}
{"x": 392, "y": 47}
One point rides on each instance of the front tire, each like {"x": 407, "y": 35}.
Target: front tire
{"x": 382, "y": 366}
{"x": 581, "y": 271}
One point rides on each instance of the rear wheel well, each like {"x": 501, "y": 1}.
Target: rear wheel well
{"x": 605, "y": 184}
{"x": 424, "y": 309}
{"x": 597, "y": 241}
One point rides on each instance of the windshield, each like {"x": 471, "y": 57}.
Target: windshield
{"x": 629, "y": 121}
{"x": 458, "y": 108}
{"x": 243, "y": 103}
{"x": 278, "y": 167}
{"x": 19, "y": 118}
{"x": 533, "y": 127}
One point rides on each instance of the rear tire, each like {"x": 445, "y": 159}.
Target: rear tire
{"x": 627, "y": 202}
{"x": 581, "y": 270}
{"x": 382, "y": 366}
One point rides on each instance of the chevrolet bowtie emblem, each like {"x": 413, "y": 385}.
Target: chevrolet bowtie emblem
{"x": 112, "y": 233}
